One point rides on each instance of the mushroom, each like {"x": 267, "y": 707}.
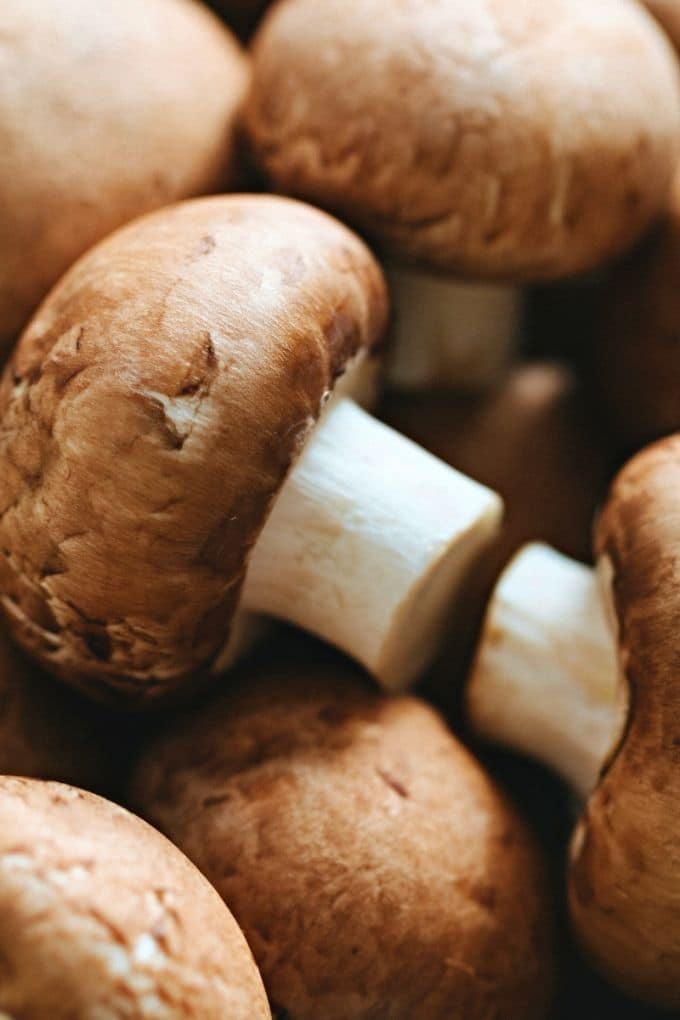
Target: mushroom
{"x": 497, "y": 142}
{"x": 101, "y": 917}
{"x": 149, "y": 419}
{"x": 530, "y": 439}
{"x": 588, "y": 684}
{"x": 637, "y": 358}
{"x": 48, "y": 731}
{"x": 104, "y": 115}
{"x": 373, "y": 866}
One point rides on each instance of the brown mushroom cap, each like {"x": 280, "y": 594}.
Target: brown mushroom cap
{"x": 149, "y": 416}
{"x": 373, "y": 866}
{"x": 105, "y": 114}
{"x": 500, "y": 138}
{"x": 625, "y": 858}
{"x": 48, "y": 731}
{"x": 637, "y": 368}
{"x": 101, "y": 916}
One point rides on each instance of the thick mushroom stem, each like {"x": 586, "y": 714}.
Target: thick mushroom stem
{"x": 449, "y": 333}
{"x": 368, "y": 544}
{"x": 545, "y": 680}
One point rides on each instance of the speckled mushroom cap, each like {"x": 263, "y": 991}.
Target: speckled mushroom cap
{"x": 101, "y": 917}
{"x": 373, "y": 866}
{"x": 667, "y": 12}
{"x": 48, "y": 731}
{"x": 499, "y": 138}
{"x": 106, "y": 112}
{"x": 625, "y": 855}
{"x": 148, "y": 418}
{"x": 637, "y": 354}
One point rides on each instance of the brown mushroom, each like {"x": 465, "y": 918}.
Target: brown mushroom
{"x": 48, "y": 731}
{"x": 148, "y": 421}
{"x": 497, "y": 141}
{"x": 602, "y": 705}
{"x": 101, "y": 917}
{"x": 637, "y": 361}
{"x": 373, "y": 866}
{"x": 105, "y": 112}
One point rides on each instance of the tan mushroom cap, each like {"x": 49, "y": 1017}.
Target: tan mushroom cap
{"x": 499, "y": 138}
{"x": 373, "y": 866}
{"x": 624, "y": 884}
{"x": 48, "y": 731}
{"x": 101, "y": 916}
{"x": 150, "y": 414}
{"x": 104, "y": 115}
{"x": 637, "y": 364}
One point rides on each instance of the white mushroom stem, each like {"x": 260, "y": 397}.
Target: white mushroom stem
{"x": 451, "y": 334}
{"x": 545, "y": 680}
{"x": 368, "y": 544}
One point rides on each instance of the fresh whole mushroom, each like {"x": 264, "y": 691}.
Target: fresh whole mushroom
{"x": 148, "y": 421}
{"x": 373, "y": 866}
{"x": 106, "y": 112}
{"x": 496, "y": 141}
{"x": 637, "y": 356}
{"x": 588, "y": 684}
{"x": 101, "y": 917}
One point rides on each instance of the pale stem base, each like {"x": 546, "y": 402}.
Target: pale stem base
{"x": 368, "y": 543}
{"x": 545, "y": 681}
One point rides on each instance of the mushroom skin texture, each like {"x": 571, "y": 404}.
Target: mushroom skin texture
{"x": 372, "y": 864}
{"x": 103, "y": 118}
{"x": 149, "y": 415}
{"x": 100, "y": 916}
{"x": 46, "y": 730}
{"x": 165, "y": 463}
{"x": 607, "y": 715}
{"x": 637, "y": 356}
{"x": 492, "y": 139}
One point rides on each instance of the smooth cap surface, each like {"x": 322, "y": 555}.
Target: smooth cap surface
{"x": 499, "y": 138}
{"x": 106, "y": 111}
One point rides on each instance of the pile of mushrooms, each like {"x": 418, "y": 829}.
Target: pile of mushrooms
{"x": 297, "y": 502}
